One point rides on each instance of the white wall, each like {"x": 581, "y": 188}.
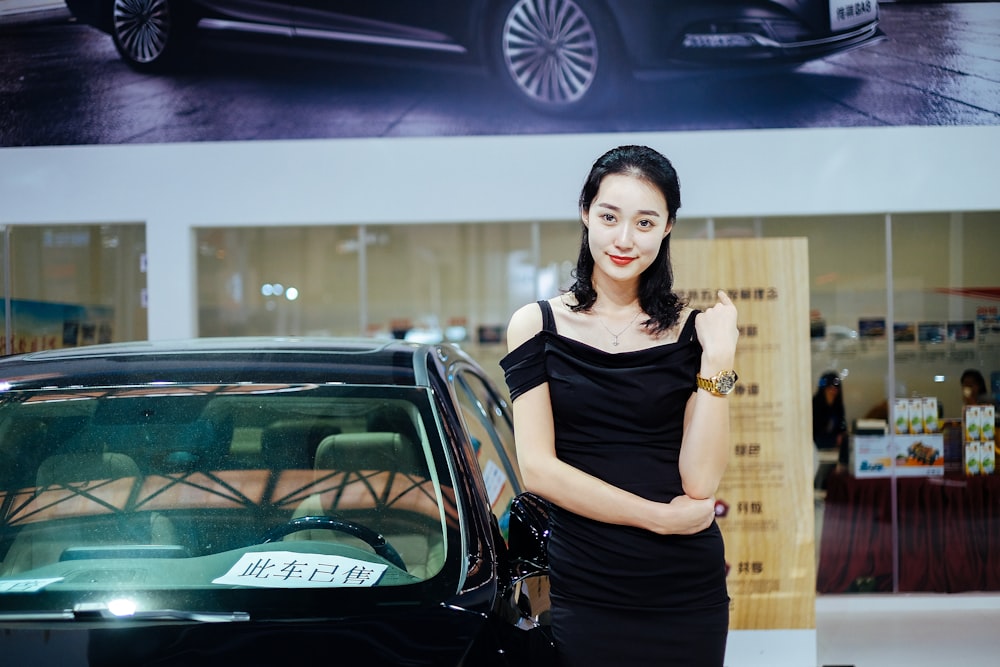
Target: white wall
{"x": 174, "y": 188}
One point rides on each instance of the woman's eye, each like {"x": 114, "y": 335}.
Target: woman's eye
{"x": 646, "y": 223}
{"x": 607, "y": 217}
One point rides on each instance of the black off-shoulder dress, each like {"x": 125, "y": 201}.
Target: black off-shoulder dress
{"x": 624, "y": 595}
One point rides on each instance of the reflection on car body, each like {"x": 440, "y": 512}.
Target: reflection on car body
{"x": 229, "y": 500}
{"x": 556, "y": 55}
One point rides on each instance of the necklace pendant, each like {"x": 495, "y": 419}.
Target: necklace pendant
{"x": 614, "y": 336}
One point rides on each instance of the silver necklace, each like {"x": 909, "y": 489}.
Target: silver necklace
{"x": 614, "y": 336}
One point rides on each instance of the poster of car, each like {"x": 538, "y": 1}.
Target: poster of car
{"x": 161, "y": 71}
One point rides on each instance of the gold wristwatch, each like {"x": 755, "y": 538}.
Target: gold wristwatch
{"x": 720, "y": 384}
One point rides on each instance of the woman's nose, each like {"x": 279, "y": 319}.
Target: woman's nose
{"x": 624, "y": 237}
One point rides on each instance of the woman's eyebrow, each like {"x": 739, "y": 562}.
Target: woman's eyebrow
{"x": 618, "y": 209}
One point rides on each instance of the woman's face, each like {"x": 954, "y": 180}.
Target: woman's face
{"x": 626, "y": 223}
{"x": 970, "y": 391}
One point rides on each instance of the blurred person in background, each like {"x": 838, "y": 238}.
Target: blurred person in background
{"x": 974, "y": 391}
{"x": 829, "y": 424}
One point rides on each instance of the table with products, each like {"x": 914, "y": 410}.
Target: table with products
{"x": 949, "y": 534}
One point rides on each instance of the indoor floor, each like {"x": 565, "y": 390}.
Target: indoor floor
{"x": 908, "y": 630}
{"x": 905, "y": 630}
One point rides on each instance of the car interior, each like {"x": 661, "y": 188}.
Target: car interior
{"x": 188, "y": 476}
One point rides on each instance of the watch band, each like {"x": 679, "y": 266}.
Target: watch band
{"x": 720, "y": 384}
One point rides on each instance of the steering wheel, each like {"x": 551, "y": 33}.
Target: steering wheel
{"x": 363, "y": 533}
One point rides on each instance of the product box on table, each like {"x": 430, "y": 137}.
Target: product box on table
{"x": 972, "y": 462}
{"x": 987, "y": 422}
{"x": 919, "y": 455}
{"x": 903, "y": 455}
{"x": 987, "y": 457}
{"x": 871, "y": 456}
{"x": 987, "y": 442}
{"x": 901, "y": 412}
{"x": 979, "y": 447}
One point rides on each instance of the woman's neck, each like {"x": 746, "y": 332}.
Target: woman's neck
{"x": 615, "y": 297}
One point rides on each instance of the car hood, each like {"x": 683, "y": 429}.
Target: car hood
{"x": 441, "y": 636}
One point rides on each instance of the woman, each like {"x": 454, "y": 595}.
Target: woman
{"x": 829, "y": 417}
{"x": 829, "y": 425}
{"x": 622, "y": 423}
{"x": 974, "y": 390}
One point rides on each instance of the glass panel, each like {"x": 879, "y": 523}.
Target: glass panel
{"x": 279, "y": 281}
{"x": 946, "y": 290}
{"x": 559, "y": 245}
{"x": 458, "y": 282}
{"x": 72, "y": 285}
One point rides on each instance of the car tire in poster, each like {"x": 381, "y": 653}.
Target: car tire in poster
{"x": 150, "y": 35}
{"x": 558, "y": 56}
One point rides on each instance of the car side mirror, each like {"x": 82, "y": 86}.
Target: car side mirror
{"x": 528, "y": 534}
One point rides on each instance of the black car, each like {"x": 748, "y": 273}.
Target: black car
{"x": 263, "y": 501}
{"x": 557, "y": 55}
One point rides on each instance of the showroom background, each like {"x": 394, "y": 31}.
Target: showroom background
{"x": 174, "y": 185}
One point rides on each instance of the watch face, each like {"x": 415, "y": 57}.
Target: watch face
{"x": 725, "y": 381}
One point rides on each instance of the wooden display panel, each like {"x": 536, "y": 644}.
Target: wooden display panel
{"x": 766, "y": 496}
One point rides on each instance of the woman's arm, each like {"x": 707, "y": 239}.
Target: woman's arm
{"x": 706, "y": 444}
{"x": 571, "y": 488}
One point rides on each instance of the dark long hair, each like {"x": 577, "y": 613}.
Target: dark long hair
{"x": 828, "y": 418}
{"x": 656, "y": 284}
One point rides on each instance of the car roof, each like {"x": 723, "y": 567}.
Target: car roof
{"x": 223, "y": 360}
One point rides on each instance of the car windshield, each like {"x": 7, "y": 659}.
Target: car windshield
{"x": 153, "y": 490}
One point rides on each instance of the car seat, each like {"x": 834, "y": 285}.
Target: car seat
{"x": 291, "y": 444}
{"x": 362, "y": 477}
{"x": 70, "y": 508}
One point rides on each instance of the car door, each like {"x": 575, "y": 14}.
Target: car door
{"x": 487, "y": 418}
{"x": 434, "y": 25}
{"x": 246, "y": 13}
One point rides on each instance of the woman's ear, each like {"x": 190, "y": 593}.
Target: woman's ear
{"x": 584, "y": 218}
{"x": 669, "y": 226}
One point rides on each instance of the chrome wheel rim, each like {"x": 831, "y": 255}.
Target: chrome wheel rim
{"x": 550, "y": 50}
{"x": 142, "y": 28}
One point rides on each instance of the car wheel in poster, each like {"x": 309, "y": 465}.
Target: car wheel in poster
{"x": 149, "y": 34}
{"x": 557, "y": 55}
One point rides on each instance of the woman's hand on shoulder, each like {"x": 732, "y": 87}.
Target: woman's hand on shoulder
{"x": 524, "y": 323}
{"x": 717, "y": 331}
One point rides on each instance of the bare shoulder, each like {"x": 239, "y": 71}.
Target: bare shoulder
{"x": 524, "y": 323}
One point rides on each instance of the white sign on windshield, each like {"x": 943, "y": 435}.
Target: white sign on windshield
{"x": 846, "y": 14}
{"x": 286, "y": 569}
{"x": 26, "y": 585}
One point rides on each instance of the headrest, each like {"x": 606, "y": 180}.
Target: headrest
{"x": 395, "y": 418}
{"x": 198, "y": 445}
{"x": 292, "y": 444}
{"x": 85, "y": 467}
{"x": 363, "y": 451}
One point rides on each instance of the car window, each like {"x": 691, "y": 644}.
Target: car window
{"x": 221, "y": 487}
{"x": 489, "y": 426}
